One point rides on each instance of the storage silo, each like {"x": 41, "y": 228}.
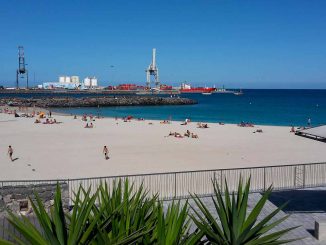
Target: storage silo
{"x": 62, "y": 79}
{"x": 75, "y": 79}
{"x": 87, "y": 82}
{"x": 93, "y": 82}
{"x": 67, "y": 79}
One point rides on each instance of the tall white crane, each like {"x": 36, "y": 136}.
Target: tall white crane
{"x": 152, "y": 70}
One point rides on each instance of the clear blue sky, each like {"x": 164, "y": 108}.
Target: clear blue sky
{"x": 247, "y": 44}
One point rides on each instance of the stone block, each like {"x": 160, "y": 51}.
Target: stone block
{"x": 320, "y": 229}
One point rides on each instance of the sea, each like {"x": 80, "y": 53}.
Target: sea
{"x": 281, "y": 107}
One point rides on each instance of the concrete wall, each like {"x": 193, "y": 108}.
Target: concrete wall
{"x": 13, "y": 198}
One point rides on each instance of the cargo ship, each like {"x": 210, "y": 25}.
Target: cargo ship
{"x": 186, "y": 88}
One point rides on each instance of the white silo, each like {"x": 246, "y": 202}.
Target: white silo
{"x": 74, "y": 79}
{"x": 93, "y": 82}
{"x": 87, "y": 82}
{"x": 67, "y": 79}
{"x": 62, "y": 79}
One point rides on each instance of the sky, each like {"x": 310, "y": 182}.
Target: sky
{"x": 239, "y": 44}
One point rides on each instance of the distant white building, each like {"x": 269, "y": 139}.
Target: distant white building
{"x": 90, "y": 82}
{"x": 66, "y": 82}
{"x": 69, "y": 80}
{"x": 74, "y": 79}
{"x": 72, "y": 82}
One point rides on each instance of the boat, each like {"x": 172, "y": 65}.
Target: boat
{"x": 186, "y": 88}
{"x": 206, "y": 93}
{"x": 238, "y": 93}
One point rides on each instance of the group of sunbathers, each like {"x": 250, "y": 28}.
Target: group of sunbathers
{"x": 127, "y": 119}
{"x": 186, "y": 134}
{"x": 47, "y": 121}
{"x": 14, "y": 112}
{"x": 27, "y": 115}
{"x": 84, "y": 117}
{"x": 89, "y": 125}
{"x": 7, "y": 111}
{"x": 41, "y": 115}
{"x": 202, "y": 125}
{"x": 258, "y": 131}
{"x": 246, "y": 124}
{"x": 165, "y": 122}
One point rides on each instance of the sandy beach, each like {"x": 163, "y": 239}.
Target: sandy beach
{"x": 68, "y": 150}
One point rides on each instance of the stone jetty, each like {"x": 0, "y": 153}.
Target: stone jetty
{"x": 64, "y": 102}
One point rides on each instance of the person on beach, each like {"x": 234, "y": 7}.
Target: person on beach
{"x": 105, "y": 152}
{"x": 10, "y": 152}
{"x": 309, "y": 122}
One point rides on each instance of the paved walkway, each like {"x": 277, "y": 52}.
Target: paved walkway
{"x": 306, "y": 220}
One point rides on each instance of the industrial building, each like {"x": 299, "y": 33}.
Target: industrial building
{"x": 90, "y": 82}
{"x": 71, "y": 82}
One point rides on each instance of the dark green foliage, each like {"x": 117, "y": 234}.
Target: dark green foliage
{"x": 235, "y": 225}
{"x": 122, "y": 214}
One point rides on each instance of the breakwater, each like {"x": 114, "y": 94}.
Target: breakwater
{"x": 68, "y": 102}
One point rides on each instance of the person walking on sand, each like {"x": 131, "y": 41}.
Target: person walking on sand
{"x": 10, "y": 152}
{"x": 105, "y": 152}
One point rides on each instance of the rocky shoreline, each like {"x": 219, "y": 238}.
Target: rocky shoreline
{"x": 107, "y": 101}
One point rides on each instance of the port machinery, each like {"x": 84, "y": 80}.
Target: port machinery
{"x": 21, "y": 72}
{"x": 152, "y": 70}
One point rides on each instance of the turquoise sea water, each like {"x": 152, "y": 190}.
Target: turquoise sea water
{"x": 266, "y": 107}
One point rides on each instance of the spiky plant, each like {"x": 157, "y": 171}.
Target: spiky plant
{"x": 173, "y": 227}
{"x": 236, "y": 225}
{"x": 80, "y": 226}
{"x": 134, "y": 212}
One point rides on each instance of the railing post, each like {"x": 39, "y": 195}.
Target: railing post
{"x": 221, "y": 186}
{"x": 175, "y": 184}
{"x": 69, "y": 189}
{"x": 304, "y": 176}
{"x": 264, "y": 178}
{"x": 295, "y": 176}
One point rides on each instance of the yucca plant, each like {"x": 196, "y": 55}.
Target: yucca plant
{"x": 54, "y": 226}
{"x": 173, "y": 227}
{"x": 235, "y": 225}
{"x": 134, "y": 212}
{"x": 81, "y": 226}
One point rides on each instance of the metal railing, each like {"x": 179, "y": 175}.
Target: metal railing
{"x": 181, "y": 184}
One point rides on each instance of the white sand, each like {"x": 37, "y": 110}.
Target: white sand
{"x": 68, "y": 150}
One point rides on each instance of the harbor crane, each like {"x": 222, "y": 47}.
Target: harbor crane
{"x": 152, "y": 70}
{"x": 21, "y": 71}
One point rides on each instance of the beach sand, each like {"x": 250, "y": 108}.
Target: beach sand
{"x": 68, "y": 150}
